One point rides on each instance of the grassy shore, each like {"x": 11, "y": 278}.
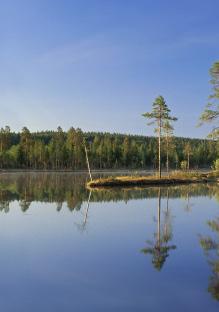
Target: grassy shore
{"x": 174, "y": 178}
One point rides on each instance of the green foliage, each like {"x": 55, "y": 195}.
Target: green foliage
{"x": 211, "y": 112}
{"x": 160, "y": 116}
{"x": 216, "y": 164}
{"x": 57, "y": 150}
{"x": 211, "y": 247}
{"x": 160, "y": 112}
{"x": 183, "y": 165}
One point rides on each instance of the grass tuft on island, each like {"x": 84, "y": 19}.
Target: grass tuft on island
{"x": 151, "y": 180}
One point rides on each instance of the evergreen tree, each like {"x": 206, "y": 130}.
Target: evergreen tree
{"x": 160, "y": 114}
{"x": 168, "y": 132}
{"x": 25, "y": 147}
{"x": 70, "y": 146}
{"x": 187, "y": 151}
{"x": 60, "y": 150}
{"x": 211, "y": 112}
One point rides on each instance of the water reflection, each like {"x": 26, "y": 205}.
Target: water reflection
{"x": 69, "y": 188}
{"x": 188, "y": 206}
{"x": 160, "y": 248}
{"x": 210, "y": 246}
{"x": 82, "y": 226}
{"x": 49, "y": 188}
{"x": 117, "y": 271}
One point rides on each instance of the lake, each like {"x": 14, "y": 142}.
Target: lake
{"x": 64, "y": 248}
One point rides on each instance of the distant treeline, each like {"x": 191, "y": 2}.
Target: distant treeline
{"x": 65, "y": 150}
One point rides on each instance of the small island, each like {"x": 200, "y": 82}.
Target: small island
{"x": 174, "y": 178}
{"x": 160, "y": 116}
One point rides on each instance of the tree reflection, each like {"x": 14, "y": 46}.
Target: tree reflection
{"x": 4, "y": 206}
{"x": 167, "y": 226}
{"x": 70, "y": 188}
{"x": 82, "y": 226}
{"x": 159, "y": 249}
{"x": 211, "y": 248}
{"x": 189, "y": 204}
{"x": 25, "y": 200}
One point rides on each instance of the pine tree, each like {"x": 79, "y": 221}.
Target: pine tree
{"x": 25, "y": 146}
{"x": 168, "y": 132}
{"x": 187, "y": 153}
{"x": 211, "y": 112}
{"x": 160, "y": 114}
{"x": 70, "y": 146}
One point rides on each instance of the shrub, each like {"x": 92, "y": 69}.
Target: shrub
{"x": 216, "y": 164}
{"x": 183, "y": 165}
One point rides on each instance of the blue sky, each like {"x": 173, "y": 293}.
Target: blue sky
{"x": 99, "y": 64}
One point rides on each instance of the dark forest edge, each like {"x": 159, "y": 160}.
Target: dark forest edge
{"x": 59, "y": 150}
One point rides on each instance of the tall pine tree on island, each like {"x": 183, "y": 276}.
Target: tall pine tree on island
{"x": 160, "y": 114}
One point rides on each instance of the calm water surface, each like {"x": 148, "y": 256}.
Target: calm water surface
{"x": 65, "y": 249}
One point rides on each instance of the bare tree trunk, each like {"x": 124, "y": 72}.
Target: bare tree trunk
{"x": 167, "y": 160}
{"x": 159, "y": 148}
{"x": 188, "y": 164}
{"x": 88, "y": 165}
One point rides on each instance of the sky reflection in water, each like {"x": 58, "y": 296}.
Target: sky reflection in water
{"x": 154, "y": 249}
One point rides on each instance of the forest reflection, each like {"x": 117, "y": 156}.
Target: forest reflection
{"x": 160, "y": 248}
{"x": 210, "y": 245}
{"x": 70, "y": 188}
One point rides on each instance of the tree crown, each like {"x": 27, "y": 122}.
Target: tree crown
{"x": 160, "y": 112}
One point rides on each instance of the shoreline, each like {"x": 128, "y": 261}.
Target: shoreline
{"x": 96, "y": 171}
{"x": 133, "y": 181}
